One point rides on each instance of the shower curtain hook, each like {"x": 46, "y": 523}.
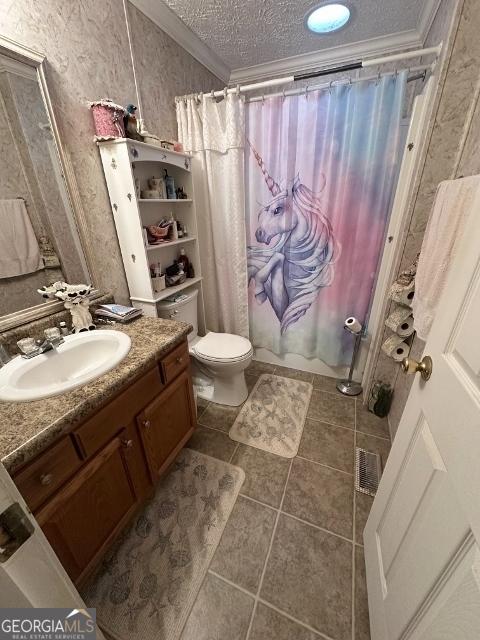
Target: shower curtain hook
{"x": 330, "y": 85}
{"x": 283, "y": 93}
{"x": 238, "y": 89}
{"x": 378, "y": 79}
{"x": 263, "y": 100}
{"x": 212, "y": 95}
{"x": 306, "y": 92}
{"x": 225, "y": 91}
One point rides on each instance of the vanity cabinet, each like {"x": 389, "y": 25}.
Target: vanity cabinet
{"x": 164, "y": 421}
{"x": 88, "y": 512}
{"x": 86, "y": 487}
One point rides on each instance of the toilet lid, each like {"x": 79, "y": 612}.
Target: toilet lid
{"x": 223, "y": 346}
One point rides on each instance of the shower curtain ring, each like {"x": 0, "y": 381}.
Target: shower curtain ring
{"x": 378, "y": 79}
{"x": 330, "y": 85}
{"x": 263, "y": 100}
{"x": 225, "y": 91}
{"x": 212, "y": 95}
{"x": 283, "y": 93}
{"x": 306, "y": 92}
{"x": 238, "y": 89}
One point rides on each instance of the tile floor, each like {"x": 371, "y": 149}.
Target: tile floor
{"x": 290, "y": 563}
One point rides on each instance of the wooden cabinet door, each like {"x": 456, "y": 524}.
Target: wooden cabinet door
{"x": 83, "y": 518}
{"x": 167, "y": 423}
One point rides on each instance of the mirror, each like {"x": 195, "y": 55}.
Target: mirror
{"x": 39, "y": 239}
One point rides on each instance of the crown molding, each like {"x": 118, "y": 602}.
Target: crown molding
{"x": 168, "y": 21}
{"x": 429, "y": 12}
{"x": 333, "y": 56}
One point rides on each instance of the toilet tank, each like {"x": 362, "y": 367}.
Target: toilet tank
{"x": 183, "y": 310}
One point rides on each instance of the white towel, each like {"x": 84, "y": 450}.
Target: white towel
{"x": 452, "y": 206}
{"x": 19, "y": 252}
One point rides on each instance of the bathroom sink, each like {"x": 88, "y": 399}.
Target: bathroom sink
{"x": 80, "y": 359}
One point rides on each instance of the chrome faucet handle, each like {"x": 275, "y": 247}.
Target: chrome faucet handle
{"x": 5, "y": 357}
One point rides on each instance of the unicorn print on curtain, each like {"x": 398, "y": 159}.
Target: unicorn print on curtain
{"x": 320, "y": 173}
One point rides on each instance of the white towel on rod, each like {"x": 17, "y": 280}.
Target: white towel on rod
{"x": 452, "y": 206}
{"x": 19, "y": 252}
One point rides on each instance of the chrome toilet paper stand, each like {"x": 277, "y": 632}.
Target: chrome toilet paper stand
{"x": 349, "y": 387}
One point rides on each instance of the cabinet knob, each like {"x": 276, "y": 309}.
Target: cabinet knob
{"x": 179, "y": 360}
{"x": 46, "y": 479}
{"x": 146, "y": 423}
{"x": 127, "y": 443}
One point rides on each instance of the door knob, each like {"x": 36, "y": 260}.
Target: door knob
{"x": 424, "y": 367}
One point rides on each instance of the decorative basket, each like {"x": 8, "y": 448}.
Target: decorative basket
{"x": 107, "y": 119}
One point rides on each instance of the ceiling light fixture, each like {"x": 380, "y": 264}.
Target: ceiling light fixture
{"x": 327, "y": 18}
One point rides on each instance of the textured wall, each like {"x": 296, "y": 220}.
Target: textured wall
{"x": 86, "y": 45}
{"x": 165, "y": 70}
{"x": 453, "y": 151}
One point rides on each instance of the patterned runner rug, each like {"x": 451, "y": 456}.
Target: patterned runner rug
{"x": 147, "y": 584}
{"x": 273, "y": 417}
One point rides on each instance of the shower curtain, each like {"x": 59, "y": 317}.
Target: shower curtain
{"x": 215, "y": 134}
{"x": 320, "y": 173}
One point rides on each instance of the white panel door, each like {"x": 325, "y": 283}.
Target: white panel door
{"x": 422, "y": 539}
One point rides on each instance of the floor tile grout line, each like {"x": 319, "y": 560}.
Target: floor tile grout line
{"x": 331, "y": 424}
{"x": 231, "y": 583}
{"x": 293, "y": 619}
{"x": 316, "y": 526}
{"x": 205, "y": 426}
{"x": 322, "y": 464}
{"x": 267, "y": 557}
{"x": 290, "y": 515}
{"x": 267, "y": 604}
{"x": 234, "y": 452}
{"x": 263, "y": 504}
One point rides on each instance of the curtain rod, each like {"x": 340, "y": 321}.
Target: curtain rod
{"x": 418, "y": 73}
{"x": 314, "y": 74}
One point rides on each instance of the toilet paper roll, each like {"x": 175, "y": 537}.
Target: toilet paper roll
{"x": 395, "y": 348}
{"x": 401, "y": 321}
{"x": 403, "y": 294}
{"x": 353, "y": 325}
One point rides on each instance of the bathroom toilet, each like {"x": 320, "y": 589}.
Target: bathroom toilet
{"x": 218, "y": 359}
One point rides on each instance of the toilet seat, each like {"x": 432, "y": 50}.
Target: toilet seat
{"x": 222, "y": 347}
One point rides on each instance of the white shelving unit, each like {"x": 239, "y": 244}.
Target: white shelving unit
{"x": 123, "y": 161}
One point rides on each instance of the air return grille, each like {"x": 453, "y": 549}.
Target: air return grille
{"x": 367, "y": 471}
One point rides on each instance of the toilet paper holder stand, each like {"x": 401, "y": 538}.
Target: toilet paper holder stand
{"x": 348, "y": 386}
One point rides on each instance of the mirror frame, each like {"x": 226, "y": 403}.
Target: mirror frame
{"x": 32, "y": 58}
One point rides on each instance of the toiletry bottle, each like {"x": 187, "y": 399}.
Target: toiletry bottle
{"x": 182, "y": 259}
{"x": 179, "y": 229}
{"x": 63, "y": 328}
{"x": 170, "y": 186}
{"x": 173, "y": 227}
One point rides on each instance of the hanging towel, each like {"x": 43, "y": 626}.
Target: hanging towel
{"x": 452, "y": 206}
{"x": 19, "y": 252}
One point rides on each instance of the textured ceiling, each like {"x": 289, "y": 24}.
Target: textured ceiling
{"x": 250, "y": 32}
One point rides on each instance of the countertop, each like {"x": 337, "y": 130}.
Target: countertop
{"x": 26, "y": 428}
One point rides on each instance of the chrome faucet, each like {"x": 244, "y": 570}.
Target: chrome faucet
{"x": 31, "y": 348}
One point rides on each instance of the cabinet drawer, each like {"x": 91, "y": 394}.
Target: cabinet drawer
{"x": 42, "y": 477}
{"x": 106, "y": 423}
{"x": 175, "y": 362}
